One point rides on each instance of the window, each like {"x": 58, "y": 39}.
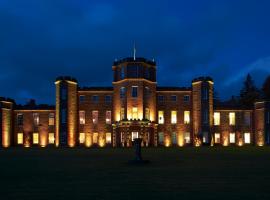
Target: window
{"x": 95, "y": 116}
{"x": 82, "y": 116}
{"x": 205, "y": 117}
{"x": 186, "y": 117}
{"x": 205, "y": 94}
{"x": 82, "y": 98}
{"x": 134, "y": 113}
{"x": 247, "y": 138}
{"x": 160, "y": 98}
{"x": 122, "y": 92}
{"x": 174, "y": 138}
{"x": 247, "y": 118}
{"x": 187, "y": 137}
{"x": 161, "y": 117}
{"x": 108, "y": 117}
{"x": 216, "y": 118}
{"x": 51, "y": 119}
{"x": 63, "y": 94}
{"x": 134, "y": 91}
{"x": 108, "y": 99}
{"x": 160, "y": 137}
{"x": 147, "y": 113}
{"x": 95, "y": 98}
{"x": 173, "y": 117}
{"x": 20, "y": 119}
{"x": 82, "y": 138}
{"x": 232, "y": 118}
{"x": 95, "y": 138}
{"x": 205, "y": 137}
{"x": 186, "y": 98}
{"x": 122, "y": 72}
{"x": 122, "y": 113}
{"x": 147, "y": 92}
{"x": 51, "y": 138}
{"x": 35, "y": 138}
{"x": 20, "y": 138}
{"x": 217, "y": 138}
{"x": 64, "y": 116}
{"x": 232, "y": 138}
{"x": 173, "y": 98}
{"x": 36, "y": 119}
{"x": 134, "y": 135}
{"x": 108, "y": 138}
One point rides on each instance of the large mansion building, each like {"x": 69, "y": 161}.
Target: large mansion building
{"x": 135, "y": 106}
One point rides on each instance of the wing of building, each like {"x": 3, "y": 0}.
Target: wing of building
{"x": 135, "y": 106}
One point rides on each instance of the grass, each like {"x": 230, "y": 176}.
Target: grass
{"x": 174, "y": 173}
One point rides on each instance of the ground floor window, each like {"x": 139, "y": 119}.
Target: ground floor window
{"x": 217, "y": 138}
{"x": 108, "y": 138}
{"x": 82, "y": 138}
{"x": 187, "y": 137}
{"x": 247, "y": 138}
{"x": 160, "y": 137}
{"x": 232, "y": 138}
{"x": 35, "y": 138}
{"x": 51, "y": 138}
{"x": 174, "y": 138}
{"x": 95, "y": 138}
{"x": 20, "y": 138}
{"x": 205, "y": 137}
{"x": 134, "y": 135}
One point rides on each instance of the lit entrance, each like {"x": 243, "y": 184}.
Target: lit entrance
{"x": 134, "y": 135}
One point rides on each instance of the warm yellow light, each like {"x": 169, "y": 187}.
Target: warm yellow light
{"x": 35, "y": 138}
{"x": 232, "y": 118}
{"x": 173, "y": 117}
{"x": 101, "y": 142}
{"x": 216, "y": 118}
{"x": 186, "y": 117}
{"x": 161, "y": 117}
{"x": 88, "y": 140}
{"x": 180, "y": 140}
{"x": 82, "y": 138}
{"x": 197, "y": 142}
{"x": 20, "y": 138}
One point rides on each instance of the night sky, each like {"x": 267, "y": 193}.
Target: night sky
{"x": 43, "y": 39}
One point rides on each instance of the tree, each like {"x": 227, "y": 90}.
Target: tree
{"x": 249, "y": 93}
{"x": 266, "y": 88}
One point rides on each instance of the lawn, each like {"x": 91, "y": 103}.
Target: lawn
{"x": 174, "y": 173}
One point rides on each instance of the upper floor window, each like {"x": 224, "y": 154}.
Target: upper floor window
{"x": 95, "y": 116}
{"x": 186, "y": 117}
{"x": 134, "y": 113}
{"x": 232, "y": 118}
{"x": 147, "y": 113}
{"x": 173, "y": 98}
{"x": 82, "y": 116}
{"x": 247, "y": 118}
{"x": 161, "y": 117}
{"x": 82, "y": 98}
{"x": 108, "y": 117}
{"x": 186, "y": 98}
{"x": 36, "y": 119}
{"x": 122, "y": 72}
{"x": 173, "y": 117}
{"x": 20, "y": 119}
{"x": 95, "y": 98}
{"x": 160, "y": 98}
{"x": 134, "y": 91}
{"x": 108, "y": 99}
{"x": 216, "y": 118}
{"x": 122, "y": 92}
{"x": 51, "y": 119}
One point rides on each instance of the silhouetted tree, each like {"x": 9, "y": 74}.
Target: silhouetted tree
{"x": 249, "y": 93}
{"x": 266, "y": 88}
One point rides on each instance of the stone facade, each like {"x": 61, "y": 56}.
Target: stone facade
{"x": 135, "y": 106}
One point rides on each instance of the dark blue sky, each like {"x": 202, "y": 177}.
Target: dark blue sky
{"x": 42, "y": 39}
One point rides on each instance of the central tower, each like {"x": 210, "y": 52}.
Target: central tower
{"x": 134, "y": 105}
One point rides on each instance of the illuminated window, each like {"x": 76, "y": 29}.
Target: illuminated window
{"x": 186, "y": 117}
{"x": 108, "y": 117}
{"x": 82, "y": 98}
{"x": 82, "y": 116}
{"x": 20, "y": 119}
{"x": 82, "y": 138}
{"x": 95, "y": 138}
{"x": 147, "y": 113}
{"x": 173, "y": 98}
{"x": 122, "y": 113}
{"x": 247, "y": 118}
{"x": 161, "y": 117}
{"x": 134, "y": 135}
{"x": 20, "y": 138}
{"x": 35, "y": 138}
{"x": 161, "y": 138}
{"x": 247, "y": 138}
{"x": 160, "y": 98}
{"x": 186, "y": 98}
{"x": 134, "y": 91}
{"x": 95, "y": 98}
{"x": 187, "y": 137}
{"x": 232, "y": 118}
{"x": 217, "y": 138}
{"x": 232, "y": 138}
{"x": 122, "y": 92}
{"x": 95, "y": 116}
{"x": 51, "y": 138}
{"x": 205, "y": 117}
{"x": 216, "y": 118}
{"x": 36, "y": 119}
{"x": 174, "y": 138}
{"x": 108, "y": 99}
{"x": 173, "y": 117}
{"x": 108, "y": 138}
{"x": 205, "y": 137}
{"x": 134, "y": 113}
{"x": 51, "y": 119}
